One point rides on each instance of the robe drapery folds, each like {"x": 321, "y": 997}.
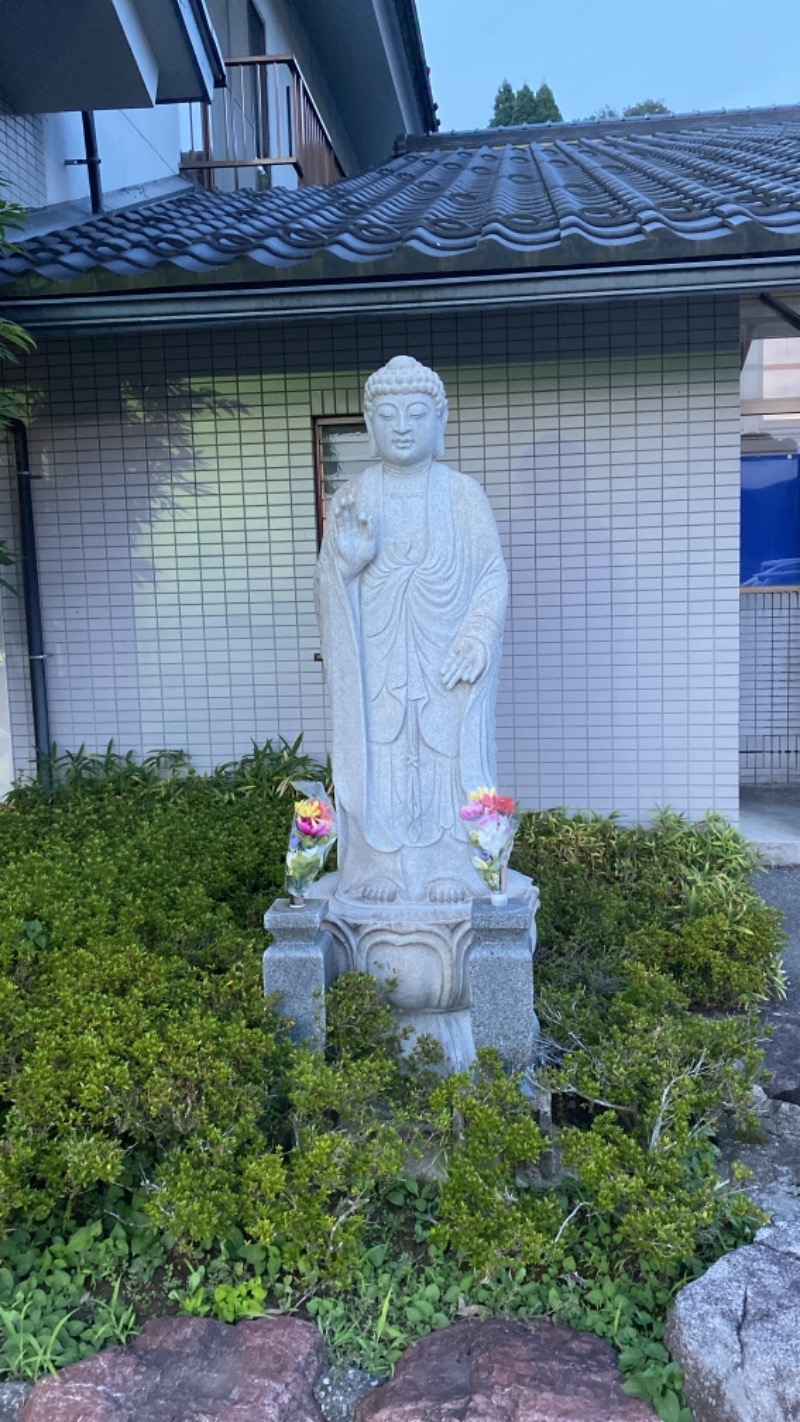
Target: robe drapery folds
{"x": 406, "y": 751}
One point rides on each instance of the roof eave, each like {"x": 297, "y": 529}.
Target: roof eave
{"x": 111, "y": 310}
{"x": 408, "y": 20}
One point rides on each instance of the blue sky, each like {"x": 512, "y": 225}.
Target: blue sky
{"x": 693, "y": 54}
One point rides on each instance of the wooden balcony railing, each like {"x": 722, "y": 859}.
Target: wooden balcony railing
{"x": 264, "y": 120}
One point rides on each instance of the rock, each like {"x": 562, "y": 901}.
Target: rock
{"x": 735, "y": 1331}
{"x": 12, "y": 1396}
{"x": 192, "y": 1370}
{"x": 782, "y": 1055}
{"x": 338, "y": 1390}
{"x": 774, "y": 1161}
{"x": 494, "y": 1370}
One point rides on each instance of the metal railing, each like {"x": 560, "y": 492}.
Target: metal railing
{"x": 264, "y": 120}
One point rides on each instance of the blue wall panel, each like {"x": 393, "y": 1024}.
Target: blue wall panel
{"x": 770, "y": 545}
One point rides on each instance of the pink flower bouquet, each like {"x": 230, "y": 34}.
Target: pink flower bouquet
{"x": 492, "y": 826}
{"x": 312, "y": 835}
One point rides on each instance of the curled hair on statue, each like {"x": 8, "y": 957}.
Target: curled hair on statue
{"x": 403, "y": 375}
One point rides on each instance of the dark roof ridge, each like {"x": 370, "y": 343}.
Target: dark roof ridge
{"x": 593, "y": 128}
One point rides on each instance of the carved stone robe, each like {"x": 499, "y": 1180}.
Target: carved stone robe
{"x": 406, "y": 751}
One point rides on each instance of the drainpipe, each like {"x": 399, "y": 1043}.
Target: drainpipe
{"x": 32, "y": 601}
{"x": 92, "y": 160}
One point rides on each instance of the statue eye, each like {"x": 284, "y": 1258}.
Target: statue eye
{"x": 418, "y": 412}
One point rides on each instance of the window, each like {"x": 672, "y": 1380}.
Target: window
{"x": 770, "y": 542}
{"x": 341, "y": 452}
{"x": 256, "y": 32}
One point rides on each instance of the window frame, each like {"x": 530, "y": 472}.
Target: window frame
{"x": 320, "y": 424}
{"x": 767, "y": 405}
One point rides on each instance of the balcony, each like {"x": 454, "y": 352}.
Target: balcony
{"x": 263, "y": 130}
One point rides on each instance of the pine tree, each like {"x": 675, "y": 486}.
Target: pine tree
{"x": 547, "y": 110}
{"x": 523, "y": 106}
{"x": 526, "y": 109}
{"x": 503, "y": 106}
{"x": 646, "y": 106}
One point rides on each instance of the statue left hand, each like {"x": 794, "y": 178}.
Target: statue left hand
{"x": 464, "y": 662}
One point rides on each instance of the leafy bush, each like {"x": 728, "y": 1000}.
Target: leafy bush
{"x": 162, "y": 1145}
{"x": 134, "y": 1033}
{"x": 675, "y": 896}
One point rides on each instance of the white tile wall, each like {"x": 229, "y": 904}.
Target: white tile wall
{"x": 22, "y": 172}
{"x": 770, "y": 688}
{"x": 177, "y": 537}
{"x": 6, "y": 756}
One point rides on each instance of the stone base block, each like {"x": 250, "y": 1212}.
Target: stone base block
{"x": 460, "y": 973}
{"x": 452, "y": 1030}
{"x": 424, "y": 954}
{"x": 300, "y": 965}
{"x": 501, "y": 980}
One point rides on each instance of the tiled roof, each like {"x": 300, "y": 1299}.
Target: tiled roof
{"x": 636, "y": 194}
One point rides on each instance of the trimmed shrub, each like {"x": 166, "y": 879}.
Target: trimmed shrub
{"x": 156, "y": 1124}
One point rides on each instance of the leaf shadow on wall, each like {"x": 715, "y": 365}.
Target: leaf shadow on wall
{"x": 117, "y": 508}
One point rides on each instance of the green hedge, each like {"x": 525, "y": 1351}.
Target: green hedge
{"x": 134, "y": 1034}
{"x": 157, "y": 1128}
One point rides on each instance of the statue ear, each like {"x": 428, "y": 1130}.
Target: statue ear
{"x": 442, "y": 426}
{"x": 372, "y": 449}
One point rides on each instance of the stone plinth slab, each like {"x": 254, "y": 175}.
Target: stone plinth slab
{"x": 299, "y": 965}
{"x": 495, "y": 1370}
{"x": 192, "y": 1370}
{"x": 501, "y": 977}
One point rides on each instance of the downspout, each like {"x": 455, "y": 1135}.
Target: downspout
{"x": 32, "y": 601}
{"x": 92, "y": 160}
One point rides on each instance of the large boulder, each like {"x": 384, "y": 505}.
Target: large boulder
{"x": 192, "y": 1370}
{"x": 735, "y": 1333}
{"x": 494, "y": 1370}
{"x": 773, "y": 1160}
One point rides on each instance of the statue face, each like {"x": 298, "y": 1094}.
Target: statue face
{"x": 406, "y": 429}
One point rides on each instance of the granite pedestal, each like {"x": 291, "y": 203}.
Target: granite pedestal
{"x": 501, "y": 978}
{"x": 460, "y": 973}
{"x": 299, "y": 966}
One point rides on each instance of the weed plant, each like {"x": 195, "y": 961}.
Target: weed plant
{"x": 164, "y": 1147}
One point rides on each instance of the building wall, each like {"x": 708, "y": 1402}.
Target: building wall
{"x": 770, "y": 688}
{"x": 21, "y": 158}
{"x": 285, "y": 34}
{"x": 177, "y": 538}
{"x": 139, "y": 146}
{"x": 135, "y": 146}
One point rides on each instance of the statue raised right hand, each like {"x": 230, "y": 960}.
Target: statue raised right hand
{"x": 355, "y": 537}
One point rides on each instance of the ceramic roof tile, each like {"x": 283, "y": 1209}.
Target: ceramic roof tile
{"x": 610, "y": 196}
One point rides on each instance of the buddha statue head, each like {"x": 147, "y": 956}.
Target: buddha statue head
{"x": 405, "y": 408}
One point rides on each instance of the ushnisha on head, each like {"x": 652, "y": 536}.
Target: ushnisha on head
{"x": 405, "y": 408}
